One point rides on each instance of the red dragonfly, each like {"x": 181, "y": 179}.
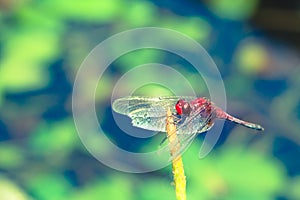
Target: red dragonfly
{"x": 191, "y": 116}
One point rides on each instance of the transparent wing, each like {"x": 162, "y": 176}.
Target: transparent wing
{"x": 147, "y": 112}
{"x": 150, "y": 113}
{"x": 186, "y": 132}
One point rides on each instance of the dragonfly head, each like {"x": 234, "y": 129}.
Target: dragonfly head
{"x": 183, "y": 107}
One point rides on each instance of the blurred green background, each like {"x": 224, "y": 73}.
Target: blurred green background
{"x": 42, "y": 44}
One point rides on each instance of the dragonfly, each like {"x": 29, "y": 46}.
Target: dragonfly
{"x": 191, "y": 115}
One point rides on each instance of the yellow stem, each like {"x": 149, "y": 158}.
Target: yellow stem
{"x": 177, "y": 164}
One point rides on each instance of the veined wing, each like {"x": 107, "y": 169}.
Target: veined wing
{"x": 150, "y": 113}
{"x": 189, "y": 129}
{"x": 147, "y": 112}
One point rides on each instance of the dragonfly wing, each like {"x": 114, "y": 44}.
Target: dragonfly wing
{"x": 150, "y": 113}
{"x": 146, "y": 112}
{"x": 139, "y": 106}
{"x": 152, "y": 106}
{"x": 189, "y": 129}
{"x": 150, "y": 123}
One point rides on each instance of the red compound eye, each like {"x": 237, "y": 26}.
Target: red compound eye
{"x": 183, "y": 107}
{"x": 178, "y": 107}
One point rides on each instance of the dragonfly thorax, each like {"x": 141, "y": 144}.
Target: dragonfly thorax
{"x": 183, "y": 107}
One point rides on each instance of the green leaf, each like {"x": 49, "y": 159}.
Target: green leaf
{"x": 233, "y": 9}
{"x": 57, "y": 139}
{"x": 233, "y": 173}
{"x": 156, "y": 189}
{"x": 195, "y": 27}
{"x": 152, "y": 90}
{"x": 26, "y": 54}
{"x": 85, "y": 11}
{"x": 139, "y": 57}
{"x": 48, "y": 186}
{"x": 139, "y": 13}
{"x": 292, "y": 189}
{"x": 251, "y": 57}
{"x": 109, "y": 188}
{"x": 11, "y": 156}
